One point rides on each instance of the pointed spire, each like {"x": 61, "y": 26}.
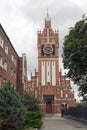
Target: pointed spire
{"x": 47, "y": 17}
{"x": 35, "y": 69}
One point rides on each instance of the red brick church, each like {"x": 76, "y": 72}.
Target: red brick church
{"x": 48, "y": 84}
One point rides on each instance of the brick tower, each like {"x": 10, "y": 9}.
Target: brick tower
{"x": 48, "y": 84}
{"x": 48, "y": 63}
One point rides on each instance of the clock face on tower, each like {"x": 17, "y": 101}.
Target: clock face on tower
{"x": 48, "y": 49}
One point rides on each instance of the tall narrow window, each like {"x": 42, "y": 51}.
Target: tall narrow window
{"x": 0, "y": 61}
{"x": 61, "y": 94}
{"x": 66, "y": 95}
{"x": 4, "y": 80}
{"x": 1, "y": 42}
{"x": 12, "y": 58}
{"x": 48, "y": 73}
{"x": 14, "y": 74}
{"x": 6, "y": 49}
{"x": 0, "y": 81}
{"x": 11, "y": 71}
{"x": 5, "y": 65}
{"x": 15, "y": 62}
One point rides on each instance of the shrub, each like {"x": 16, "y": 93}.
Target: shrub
{"x": 11, "y": 109}
{"x": 33, "y": 119}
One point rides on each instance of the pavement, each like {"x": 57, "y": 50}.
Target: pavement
{"x": 77, "y": 119}
{"x": 61, "y": 123}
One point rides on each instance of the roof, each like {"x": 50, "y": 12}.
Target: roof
{"x": 47, "y": 17}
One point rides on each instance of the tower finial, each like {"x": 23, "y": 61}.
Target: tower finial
{"x": 47, "y": 16}
{"x": 47, "y": 12}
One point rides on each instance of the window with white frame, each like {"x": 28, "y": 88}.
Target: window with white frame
{"x": 6, "y": 49}
{"x": 0, "y": 60}
{"x": 12, "y": 58}
{"x": 61, "y": 94}
{"x": 0, "y": 81}
{"x": 66, "y": 95}
{"x": 12, "y": 72}
{"x": 33, "y": 84}
{"x": 4, "y": 80}
{"x": 15, "y": 62}
{"x": 1, "y": 42}
{"x": 5, "y": 65}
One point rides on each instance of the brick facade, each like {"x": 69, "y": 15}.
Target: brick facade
{"x": 48, "y": 84}
{"x": 12, "y": 66}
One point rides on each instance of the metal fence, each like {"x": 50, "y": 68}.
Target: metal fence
{"x": 78, "y": 112}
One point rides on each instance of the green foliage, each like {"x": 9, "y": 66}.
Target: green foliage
{"x": 33, "y": 119}
{"x": 30, "y": 102}
{"x": 12, "y": 111}
{"x": 83, "y": 90}
{"x": 81, "y": 104}
{"x": 75, "y": 55}
{"x": 29, "y": 129}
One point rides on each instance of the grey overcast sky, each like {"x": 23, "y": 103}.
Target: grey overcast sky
{"x": 21, "y": 19}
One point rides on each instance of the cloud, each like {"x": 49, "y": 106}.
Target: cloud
{"x": 62, "y": 15}
{"x": 25, "y": 17}
{"x": 61, "y": 12}
{"x": 21, "y": 20}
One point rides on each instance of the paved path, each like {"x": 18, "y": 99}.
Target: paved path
{"x": 60, "y": 123}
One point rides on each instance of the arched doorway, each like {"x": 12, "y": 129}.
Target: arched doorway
{"x": 48, "y": 107}
{"x": 64, "y": 105}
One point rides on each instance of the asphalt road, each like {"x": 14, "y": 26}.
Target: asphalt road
{"x": 60, "y": 123}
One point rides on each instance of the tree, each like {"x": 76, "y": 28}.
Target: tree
{"x": 30, "y": 102}
{"x": 75, "y": 55}
{"x": 81, "y": 104}
{"x": 12, "y": 111}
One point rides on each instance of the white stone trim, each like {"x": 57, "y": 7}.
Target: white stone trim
{"x": 48, "y": 70}
{"x": 43, "y": 73}
{"x": 53, "y": 73}
{"x": 48, "y": 58}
